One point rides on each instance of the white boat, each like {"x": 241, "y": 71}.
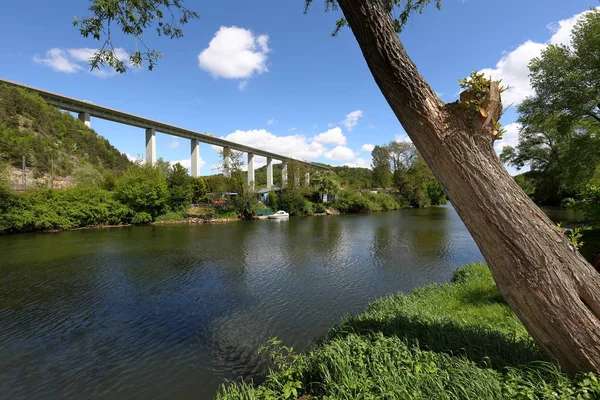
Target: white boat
{"x": 279, "y": 215}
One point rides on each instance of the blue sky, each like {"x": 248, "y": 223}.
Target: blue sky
{"x": 265, "y": 74}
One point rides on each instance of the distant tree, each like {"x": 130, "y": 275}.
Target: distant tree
{"x": 231, "y": 162}
{"x": 180, "y": 186}
{"x": 325, "y": 182}
{"x": 382, "y": 173}
{"x": 566, "y": 79}
{"x": 560, "y": 135}
{"x": 144, "y": 189}
{"x": 86, "y": 175}
{"x": 200, "y": 189}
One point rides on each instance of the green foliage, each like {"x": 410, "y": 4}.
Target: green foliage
{"x": 141, "y": 218}
{"x": 325, "y": 182}
{"x": 170, "y": 216}
{"x": 435, "y": 193}
{"x": 133, "y": 17}
{"x": 588, "y": 202}
{"x": 319, "y": 208}
{"x": 86, "y": 175}
{"x": 294, "y": 203}
{"x": 382, "y": 173}
{"x": 143, "y": 188}
{"x": 354, "y": 178}
{"x": 560, "y": 134}
{"x": 180, "y": 186}
{"x": 456, "y": 341}
{"x": 349, "y": 202}
{"x": 478, "y": 88}
{"x": 245, "y": 204}
{"x": 48, "y": 138}
{"x": 273, "y": 200}
{"x": 61, "y": 209}
{"x": 525, "y": 183}
{"x": 199, "y": 190}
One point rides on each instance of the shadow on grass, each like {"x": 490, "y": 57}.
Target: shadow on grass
{"x": 484, "y": 346}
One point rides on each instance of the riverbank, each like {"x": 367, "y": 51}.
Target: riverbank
{"x": 455, "y": 341}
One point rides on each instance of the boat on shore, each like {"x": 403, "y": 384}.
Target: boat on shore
{"x": 279, "y": 215}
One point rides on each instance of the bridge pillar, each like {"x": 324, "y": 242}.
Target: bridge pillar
{"x": 227, "y": 162}
{"x": 85, "y": 118}
{"x": 307, "y": 178}
{"x": 251, "y": 171}
{"x": 150, "y": 146}
{"x": 269, "y": 173}
{"x": 195, "y": 155}
{"x": 284, "y": 173}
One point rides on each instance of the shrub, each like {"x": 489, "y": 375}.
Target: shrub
{"x": 348, "y": 202}
{"x": 143, "y": 188}
{"x": 61, "y": 209}
{"x": 181, "y": 188}
{"x": 141, "y": 218}
{"x": 319, "y": 208}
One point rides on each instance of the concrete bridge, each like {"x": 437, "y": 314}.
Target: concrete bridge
{"x": 87, "y": 109}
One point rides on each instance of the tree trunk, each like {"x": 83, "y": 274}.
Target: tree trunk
{"x": 544, "y": 279}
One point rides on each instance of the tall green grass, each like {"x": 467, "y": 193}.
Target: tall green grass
{"x": 454, "y": 341}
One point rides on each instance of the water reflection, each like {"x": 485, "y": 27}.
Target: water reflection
{"x": 170, "y": 311}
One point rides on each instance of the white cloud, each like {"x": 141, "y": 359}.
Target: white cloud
{"x": 174, "y": 144}
{"x": 402, "y": 138}
{"x": 270, "y": 121}
{"x": 242, "y": 86}
{"x": 352, "y": 119}
{"x": 514, "y": 72}
{"x": 295, "y": 146}
{"x": 359, "y": 163}
{"x": 513, "y": 66}
{"x": 367, "y": 147}
{"x": 509, "y": 138}
{"x": 72, "y": 61}
{"x": 340, "y": 153}
{"x": 235, "y": 53}
{"x": 332, "y": 136}
{"x": 187, "y": 163}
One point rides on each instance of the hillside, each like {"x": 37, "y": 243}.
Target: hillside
{"x": 52, "y": 142}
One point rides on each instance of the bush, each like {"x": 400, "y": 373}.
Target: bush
{"x": 456, "y": 341}
{"x": 384, "y": 202}
{"x": 181, "y": 187}
{"x": 141, "y": 218}
{"x": 294, "y": 203}
{"x": 61, "y": 209}
{"x": 319, "y": 208}
{"x": 143, "y": 188}
{"x": 171, "y": 216}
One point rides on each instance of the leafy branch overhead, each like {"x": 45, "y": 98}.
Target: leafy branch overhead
{"x": 482, "y": 97}
{"x": 133, "y": 17}
{"x": 406, "y": 7}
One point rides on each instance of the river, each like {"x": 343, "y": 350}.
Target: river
{"x": 170, "y": 311}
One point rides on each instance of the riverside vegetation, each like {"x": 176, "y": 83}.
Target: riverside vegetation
{"x": 105, "y": 188}
{"x": 454, "y": 341}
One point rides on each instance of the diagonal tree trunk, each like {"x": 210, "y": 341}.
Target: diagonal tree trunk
{"x": 544, "y": 279}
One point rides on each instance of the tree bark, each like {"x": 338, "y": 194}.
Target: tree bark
{"x": 544, "y": 279}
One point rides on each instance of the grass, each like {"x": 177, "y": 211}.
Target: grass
{"x": 170, "y": 216}
{"x": 454, "y": 341}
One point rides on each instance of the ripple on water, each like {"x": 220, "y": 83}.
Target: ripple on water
{"x": 170, "y": 311}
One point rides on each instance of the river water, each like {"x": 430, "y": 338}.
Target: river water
{"x": 172, "y": 310}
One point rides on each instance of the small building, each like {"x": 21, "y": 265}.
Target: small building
{"x": 263, "y": 194}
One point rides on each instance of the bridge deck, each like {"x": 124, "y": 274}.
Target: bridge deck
{"x": 110, "y": 114}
